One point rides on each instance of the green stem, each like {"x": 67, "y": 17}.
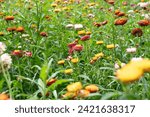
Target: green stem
{"x": 8, "y": 81}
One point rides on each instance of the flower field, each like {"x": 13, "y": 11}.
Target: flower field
{"x": 74, "y": 49}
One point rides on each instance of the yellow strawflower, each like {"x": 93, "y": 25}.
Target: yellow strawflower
{"x": 57, "y": 10}
{"x": 61, "y": 62}
{"x": 144, "y": 64}
{"x": 82, "y": 32}
{"x": 74, "y": 87}
{"x": 68, "y": 71}
{"x": 99, "y": 55}
{"x": 92, "y": 88}
{"x": 133, "y": 71}
{"x": 54, "y": 5}
{"x": 75, "y": 60}
{"x": 110, "y": 46}
{"x": 99, "y": 42}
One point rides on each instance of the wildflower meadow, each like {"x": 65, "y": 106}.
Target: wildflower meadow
{"x": 74, "y": 49}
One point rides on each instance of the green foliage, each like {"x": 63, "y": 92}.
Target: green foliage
{"x": 27, "y": 78}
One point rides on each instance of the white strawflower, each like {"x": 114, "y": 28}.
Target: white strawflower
{"x": 5, "y": 61}
{"x": 131, "y": 50}
{"x": 2, "y": 47}
{"x": 78, "y": 26}
{"x": 146, "y": 16}
{"x": 143, "y": 4}
{"x": 69, "y": 26}
{"x": 116, "y": 66}
{"x": 25, "y": 35}
{"x": 130, "y": 11}
{"x": 91, "y": 15}
{"x": 137, "y": 59}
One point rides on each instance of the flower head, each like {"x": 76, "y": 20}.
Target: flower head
{"x": 131, "y": 50}
{"x": 20, "y": 29}
{"x": 129, "y": 73}
{"x": 2, "y": 47}
{"x": 144, "y": 22}
{"x": 17, "y": 53}
{"x": 86, "y": 37}
{"x": 75, "y": 60}
{"x": 43, "y": 34}
{"x": 78, "y": 26}
{"x": 137, "y": 32}
{"x": 121, "y": 21}
{"x": 5, "y": 62}
{"x": 83, "y": 93}
{"x": 134, "y": 70}
{"x": 68, "y": 71}
{"x": 4, "y": 96}
{"x": 10, "y": 29}
{"x": 61, "y": 62}
{"x": 1, "y": 33}
{"x": 51, "y": 81}
{"x": 74, "y": 87}
{"x": 28, "y": 53}
{"x": 99, "y": 42}
{"x": 92, "y": 88}
{"x": 69, "y": 26}
{"x": 9, "y": 18}
{"x": 82, "y": 32}
{"x": 111, "y": 46}
{"x": 78, "y": 48}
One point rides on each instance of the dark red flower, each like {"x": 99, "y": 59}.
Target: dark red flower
{"x": 144, "y": 23}
{"x": 51, "y": 81}
{"x": 20, "y": 29}
{"x": 97, "y": 24}
{"x": 70, "y": 45}
{"x": 76, "y": 48}
{"x": 8, "y": 18}
{"x": 86, "y": 37}
{"x": 43, "y": 34}
{"x": 121, "y": 21}
{"x": 100, "y": 24}
{"x": 10, "y": 29}
{"x": 137, "y": 32}
{"x": 121, "y": 14}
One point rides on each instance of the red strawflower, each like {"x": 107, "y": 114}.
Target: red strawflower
{"x": 28, "y": 53}
{"x": 43, "y": 34}
{"x": 18, "y": 53}
{"x": 86, "y": 37}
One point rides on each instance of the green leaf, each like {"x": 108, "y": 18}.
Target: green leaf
{"x": 110, "y": 95}
{"x": 85, "y": 77}
{"x": 58, "y": 82}
{"x": 55, "y": 94}
{"x": 94, "y": 94}
{"x": 45, "y": 70}
{"x": 54, "y": 75}
{"x": 41, "y": 86}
